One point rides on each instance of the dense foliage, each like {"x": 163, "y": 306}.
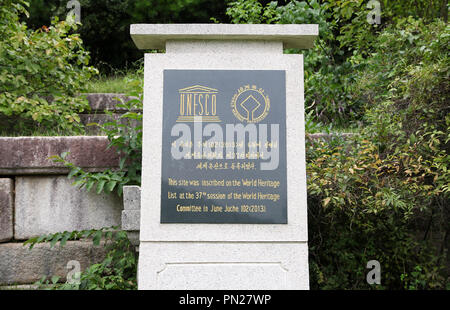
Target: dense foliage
{"x": 385, "y": 194}
{"x": 41, "y": 73}
{"x": 345, "y": 39}
{"x": 105, "y": 26}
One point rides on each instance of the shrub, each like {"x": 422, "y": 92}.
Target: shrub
{"x": 41, "y": 73}
{"x": 384, "y": 194}
{"x": 345, "y": 40}
{"x": 329, "y": 72}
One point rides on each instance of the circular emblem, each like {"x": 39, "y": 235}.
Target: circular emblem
{"x": 250, "y": 104}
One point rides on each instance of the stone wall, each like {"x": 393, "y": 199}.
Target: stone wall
{"x": 36, "y": 198}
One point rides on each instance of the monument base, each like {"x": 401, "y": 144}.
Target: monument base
{"x": 223, "y": 266}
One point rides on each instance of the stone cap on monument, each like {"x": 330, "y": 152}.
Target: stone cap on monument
{"x": 155, "y": 36}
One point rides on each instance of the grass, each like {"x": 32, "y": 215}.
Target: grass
{"x": 117, "y": 81}
{"x": 112, "y": 84}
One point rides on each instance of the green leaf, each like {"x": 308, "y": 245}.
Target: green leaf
{"x": 100, "y": 186}
{"x": 73, "y": 172}
{"x": 110, "y": 186}
{"x": 64, "y": 154}
{"x": 55, "y": 279}
{"x": 55, "y": 239}
{"x": 97, "y": 237}
{"x": 89, "y": 184}
{"x": 122, "y": 162}
{"x": 31, "y": 241}
{"x": 66, "y": 236}
{"x": 80, "y": 182}
{"x": 56, "y": 159}
{"x": 40, "y": 239}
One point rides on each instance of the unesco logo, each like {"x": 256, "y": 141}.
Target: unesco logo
{"x": 250, "y": 104}
{"x": 198, "y": 103}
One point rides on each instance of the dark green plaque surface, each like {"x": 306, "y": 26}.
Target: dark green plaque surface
{"x": 201, "y": 187}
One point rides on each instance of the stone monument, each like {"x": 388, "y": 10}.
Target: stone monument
{"x": 223, "y": 201}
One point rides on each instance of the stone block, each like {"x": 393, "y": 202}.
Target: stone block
{"x": 223, "y": 266}
{"x": 131, "y": 215}
{"x": 131, "y": 220}
{"x": 155, "y": 36}
{"x": 132, "y": 198}
{"x": 106, "y": 101}
{"x": 52, "y": 204}
{"x": 19, "y": 265}
{"x": 30, "y": 155}
{"x": 6, "y": 209}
